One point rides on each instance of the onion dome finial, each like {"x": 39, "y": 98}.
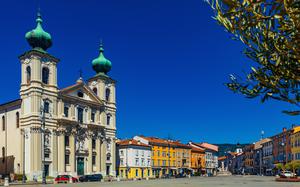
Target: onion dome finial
{"x": 38, "y": 38}
{"x": 101, "y": 64}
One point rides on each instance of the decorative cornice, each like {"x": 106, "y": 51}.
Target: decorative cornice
{"x": 37, "y": 53}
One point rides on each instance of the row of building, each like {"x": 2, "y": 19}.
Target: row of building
{"x": 262, "y": 156}
{"x": 151, "y": 157}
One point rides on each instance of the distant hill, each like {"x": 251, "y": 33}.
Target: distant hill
{"x": 223, "y": 148}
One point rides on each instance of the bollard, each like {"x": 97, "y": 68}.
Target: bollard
{"x": 70, "y": 180}
{"x": 147, "y": 178}
{"x": 118, "y": 179}
{"x": 6, "y": 183}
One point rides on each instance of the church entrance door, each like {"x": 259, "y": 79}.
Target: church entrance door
{"x": 80, "y": 166}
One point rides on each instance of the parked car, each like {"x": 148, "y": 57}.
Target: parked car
{"x": 180, "y": 175}
{"x": 90, "y": 178}
{"x": 65, "y": 179}
{"x": 287, "y": 174}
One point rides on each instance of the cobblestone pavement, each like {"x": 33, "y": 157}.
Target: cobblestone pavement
{"x": 226, "y": 181}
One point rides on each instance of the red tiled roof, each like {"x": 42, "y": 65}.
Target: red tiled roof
{"x": 132, "y": 142}
{"x": 166, "y": 142}
{"x": 207, "y": 146}
{"x": 222, "y": 158}
{"x": 195, "y": 149}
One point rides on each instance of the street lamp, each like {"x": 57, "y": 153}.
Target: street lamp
{"x": 259, "y": 152}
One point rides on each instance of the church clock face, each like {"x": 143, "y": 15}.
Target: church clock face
{"x": 94, "y": 83}
{"x": 44, "y": 59}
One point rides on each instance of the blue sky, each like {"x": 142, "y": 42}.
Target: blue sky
{"x": 170, "y": 59}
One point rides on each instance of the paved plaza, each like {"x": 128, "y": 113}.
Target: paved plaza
{"x": 228, "y": 181}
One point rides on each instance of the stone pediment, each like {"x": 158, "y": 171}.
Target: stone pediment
{"x": 81, "y": 92}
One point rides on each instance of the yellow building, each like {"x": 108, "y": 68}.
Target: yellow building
{"x": 169, "y": 157}
{"x": 183, "y": 157}
{"x": 133, "y": 160}
{"x": 295, "y": 142}
{"x": 163, "y": 159}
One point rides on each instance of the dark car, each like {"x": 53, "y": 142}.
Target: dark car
{"x": 65, "y": 179}
{"x": 90, "y": 178}
{"x": 180, "y": 175}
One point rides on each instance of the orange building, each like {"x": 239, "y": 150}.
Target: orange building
{"x": 198, "y": 159}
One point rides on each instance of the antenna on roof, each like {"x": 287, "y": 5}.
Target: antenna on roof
{"x": 262, "y": 134}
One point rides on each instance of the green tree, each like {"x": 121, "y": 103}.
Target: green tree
{"x": 280, "y": 166}
{"x": 270, "y": 30}
{"x": 293, "y": 165}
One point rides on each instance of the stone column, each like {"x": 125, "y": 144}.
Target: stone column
{"x": 36, "y": 152}
{"x": 113, "y": 157}
{"x": 22, "y": 151}
{"x": 98, "y": 156}
{"x": 103, "y": 158}
{"x": 61, "y": 153}
{"x": 54, "y": 154}
{"x": 89, "y": 162}
{"x": 72, "y": 154}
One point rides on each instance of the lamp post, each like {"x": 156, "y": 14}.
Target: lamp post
{"x": 259, "y": 157}
{"x": 45, "y": 108}
{"x": 43, "y": 111}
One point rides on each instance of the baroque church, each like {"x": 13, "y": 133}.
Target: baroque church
{"x": 59, "y": 131}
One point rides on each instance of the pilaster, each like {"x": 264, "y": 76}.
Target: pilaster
{"x": 72, "y": 154}
{"x": 61, "y": 153}
{"x": 98, "y": 156}
{"x": 89, "y": 162}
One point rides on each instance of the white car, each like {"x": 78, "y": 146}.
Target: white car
{"x": 287, "y": 174}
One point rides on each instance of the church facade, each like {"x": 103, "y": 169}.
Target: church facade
{"x": 59, "y": 131}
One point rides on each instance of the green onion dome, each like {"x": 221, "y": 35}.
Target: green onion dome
{"x": 38, "y": 38}
{"x": 101, "y": 64}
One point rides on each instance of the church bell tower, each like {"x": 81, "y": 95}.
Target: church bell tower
{"x": 39, "y": 94}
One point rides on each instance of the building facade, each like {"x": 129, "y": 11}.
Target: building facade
{"x": 58, "y": 131}
{"x": 267, "y": 157}
{"x": 211, "y": 158}
{"x": 248, "y": 159}
{"x": 133, "y": 159}
{"x": 183, "y": 158}
{"x": 163, "y": 159}
{"x": 295, "y": 143}
{"x": 198, "y": 160}
{"x": 258, "y": 156}
{"x": 282, "y": 146}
